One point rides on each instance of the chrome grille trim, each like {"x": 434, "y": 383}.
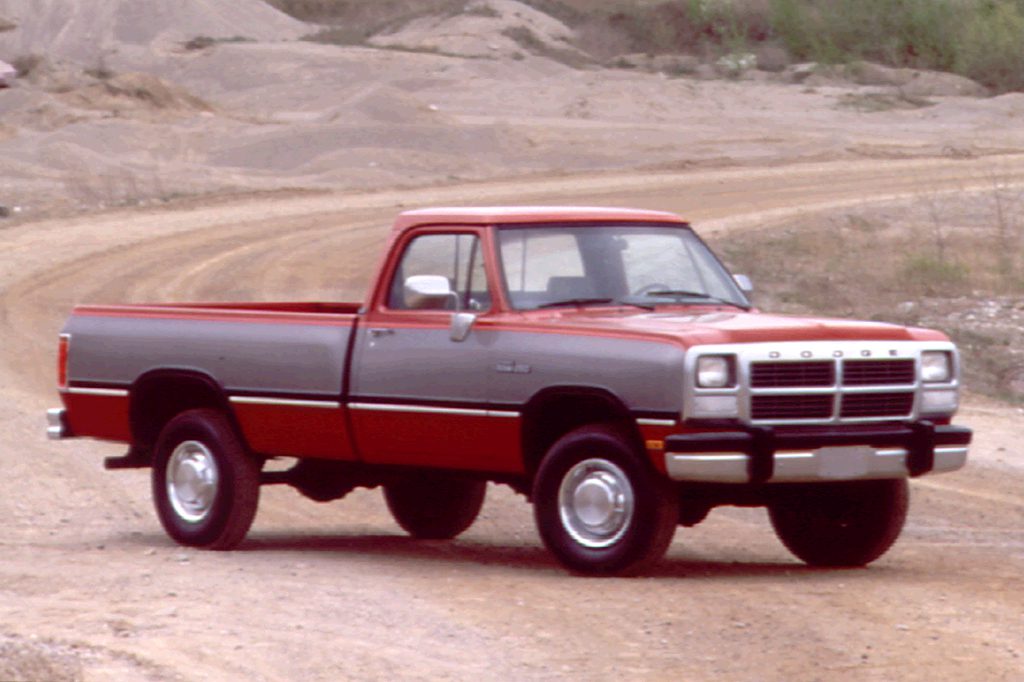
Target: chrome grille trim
{"x": 858, "y": 382}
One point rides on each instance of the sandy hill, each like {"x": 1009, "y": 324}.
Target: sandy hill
{"x": 116, "y": 108}
{"x": 84, "y": 29}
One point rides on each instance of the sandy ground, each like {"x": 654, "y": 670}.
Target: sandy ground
{"x": 91, "y": 589}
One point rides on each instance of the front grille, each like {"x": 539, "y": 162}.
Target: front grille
{"x": 878, "y": 372}
{"x": 785, "y": 407}
{"x": 860, "y": 405}
{"x": 776, "y": 393}
{"x": 792, "y": 374}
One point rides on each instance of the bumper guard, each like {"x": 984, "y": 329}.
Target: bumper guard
{"x": 766, "y": 455}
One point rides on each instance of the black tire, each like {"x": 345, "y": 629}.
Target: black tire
{"x": 435, "y": 506}
{"x": 205, "y": 485}
{"x": 600, "y": 507}
{"x": 841, "y": 524}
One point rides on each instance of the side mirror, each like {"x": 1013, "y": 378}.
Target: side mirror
{"x": 744, "y": 283}
{"x": 427, "y": 292}
{"x": 462, "y": 324}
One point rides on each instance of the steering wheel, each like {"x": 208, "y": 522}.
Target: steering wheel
{"x": 647, "y": 288}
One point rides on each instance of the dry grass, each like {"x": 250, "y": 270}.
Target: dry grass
{"x": 955, "y": 263}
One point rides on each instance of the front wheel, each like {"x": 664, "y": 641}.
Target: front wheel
{"x": 205, "y": 486}
{"x": 435, "y": 506}
{"x": 599, "y": 507}
{"x": 841, "y": 524}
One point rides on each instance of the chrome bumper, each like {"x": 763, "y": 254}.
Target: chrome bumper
{"x": 57, "y": 424}
{"x": 765, "y": 456}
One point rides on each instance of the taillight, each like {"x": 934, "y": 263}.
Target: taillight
{"x": 62, "y": 360}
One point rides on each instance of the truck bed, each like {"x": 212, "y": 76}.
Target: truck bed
{"x": 265, "y": 358}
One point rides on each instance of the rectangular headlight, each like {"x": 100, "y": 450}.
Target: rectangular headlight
{"x": 715, "y": 371}
{"x": 936, "y": 367}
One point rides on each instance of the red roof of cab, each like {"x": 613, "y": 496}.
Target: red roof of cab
{"x": 489, "y": 215}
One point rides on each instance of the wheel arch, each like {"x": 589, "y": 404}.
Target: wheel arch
{"x": 157, "y": 396}
{"x": 555, "y": 411}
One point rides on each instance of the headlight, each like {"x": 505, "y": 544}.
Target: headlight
{"x": 715, "y": 371}
{"x": 936, "y": 367}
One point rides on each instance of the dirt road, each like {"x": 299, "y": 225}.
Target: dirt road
{"x": 91, "y": 589}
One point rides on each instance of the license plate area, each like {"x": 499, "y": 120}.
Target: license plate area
{"x": 844, "y": 462}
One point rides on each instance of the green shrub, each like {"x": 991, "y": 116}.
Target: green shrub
{"x": 915, "y": 33}
{"x": 991, "y": 46}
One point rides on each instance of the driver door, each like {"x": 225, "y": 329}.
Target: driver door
{"x": 418, "y": 396}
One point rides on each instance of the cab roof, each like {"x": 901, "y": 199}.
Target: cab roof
{"x": 490, "y": 215}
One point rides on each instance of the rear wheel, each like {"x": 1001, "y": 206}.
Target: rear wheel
{"x": 841, "y": 524}
{"x": 599, "y": 507}
{"x": 435, "y": 506}
{"x": 205, "y": 486}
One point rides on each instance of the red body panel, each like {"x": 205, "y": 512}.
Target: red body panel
{"x": 334, "y": 315}
{"x": 98, "y": 416}
{"x": 471, "y": 443}
{"x": 296, "y": 430}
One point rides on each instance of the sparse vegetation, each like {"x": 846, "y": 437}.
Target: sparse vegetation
{"x": 953, "y": 263}
{"x": 28, "y": 64}
{"x": 979, "y": 39}
{"x": 203, "y": 42}
{"x": 879, "y": 101}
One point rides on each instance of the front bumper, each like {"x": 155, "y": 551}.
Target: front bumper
{"x": 767, "y": 455}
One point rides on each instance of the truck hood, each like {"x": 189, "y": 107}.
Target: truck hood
{"x": 715, "y": 326}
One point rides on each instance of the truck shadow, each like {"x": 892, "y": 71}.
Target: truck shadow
{"x": 466, "y": 553}
{"x": 534, "y": 558}
{"x": 400, "y": 547}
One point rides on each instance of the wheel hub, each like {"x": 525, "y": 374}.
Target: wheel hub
{"x": 596, "y": 503}
{"x": 192, "y": 480}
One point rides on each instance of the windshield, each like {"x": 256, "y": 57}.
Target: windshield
{"x": 632, "y": 264}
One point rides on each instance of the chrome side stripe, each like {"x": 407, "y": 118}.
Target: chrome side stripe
{"x": 656, "y": 422}
{"x": 426, "y": 409}
{"x": 107, "y": 392}
{"x": 285, "y": 402}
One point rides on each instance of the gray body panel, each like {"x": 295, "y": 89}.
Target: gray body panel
{"x": 420, "y": 365}
{"x": 242, "y": 356}
{"x": 506, "y": 368}
{"x": 646, "y": 376}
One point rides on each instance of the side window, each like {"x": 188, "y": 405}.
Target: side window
{"x": 456, "y": 257}
{"x": 541, "y": 267}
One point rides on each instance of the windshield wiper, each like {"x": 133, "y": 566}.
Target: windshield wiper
{"x": 680, "y": 293}
{"x": 580, "y": 302}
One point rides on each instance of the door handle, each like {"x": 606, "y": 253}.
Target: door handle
{"x": 378, "y": 332}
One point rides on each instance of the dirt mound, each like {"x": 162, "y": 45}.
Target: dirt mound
{"x": 497, "y": 29}
{"x": 910, "y": 82}
{"x": 53, "y": 94}
{"x": 89, "y": 29}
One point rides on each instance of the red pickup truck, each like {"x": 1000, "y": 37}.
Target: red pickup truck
{"x": 602, "y": 362}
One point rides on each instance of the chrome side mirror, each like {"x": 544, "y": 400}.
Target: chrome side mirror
{"x": 427, "y": 292}
{"x": 462, "y": 324}
{"x": 744, "y": 283}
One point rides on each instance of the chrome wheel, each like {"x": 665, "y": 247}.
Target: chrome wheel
{"x": 192, "y": 481}
{"x": 596, "y": 503}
